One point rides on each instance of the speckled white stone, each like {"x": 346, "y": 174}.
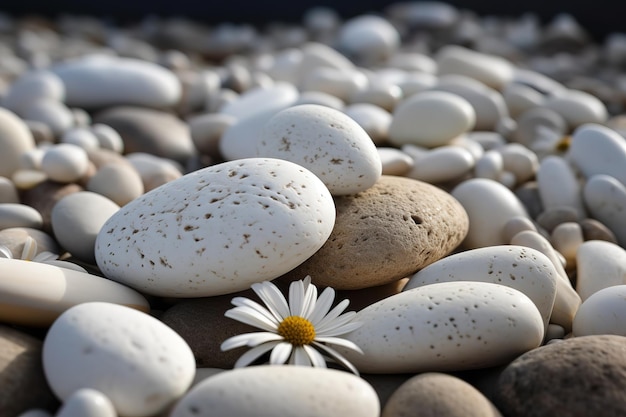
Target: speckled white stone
{"x": 522, "y": 268}
{"x": 270, "y": 391}
{"x": 135, "y": 360}
{"x": 65, "y": 162}
{"x": 218, "y": 230}
{"x": 87, "y": 402}
{"x": 447, "y": 326}
{"x": 604, "y": 312}
{"x": 445, "y": 163}
{"x": 489, "y": 205}
{"x": 600, "y": 264}
{"x": 605, "y": 197}
{"x": 430, "y": 119}
{"x": 491, "y": 70}
{"x": 35, "y": 294}
{"x": 98, "y": 81}
{"x": 597, "y": 149}
{"x": 577, "y": 107}
{"x": 327, "y": 142}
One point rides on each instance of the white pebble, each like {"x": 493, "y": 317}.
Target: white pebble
{"x": 81, "y": 137}
{"x": 604, "y": 312}
{"x": 65, "y": 163}
{"x": 394, "y": 161}
{"x": 54, "y": 114}
{"x": 372, "y": 118}
{"x": 558, "y": 185}
{"x": 491, "y": 70}
{"x": 19, "y": 215}
{"x": 600, "y": 264}
{"x": 120, "y": 183}
{"x": 566, "y": 239}
{"x": 519, "y": 160}
{"x": 87, "y": 402}
{"x": 368, "y": 39}
{"x": 445, "y": 163}
{"x": 489, "y": 166}
{"x": 108, "y": 138}
{"x": 605, "y": 197}
{"x": 577, "y": 107}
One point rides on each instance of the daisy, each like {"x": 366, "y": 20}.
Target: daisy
{"x": 29, "y": 253}
{"x": 297, "y": 333}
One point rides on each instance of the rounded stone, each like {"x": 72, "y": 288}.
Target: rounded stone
{"x": 45, "y": 195}
{"x": 437, "y": 395}
{"x": 491, "y": 70}
{"x": 581, "y": 376}
{"x": 595, "y": 230}
{"x": 207, "y": 130}
{"x": 65, "y": 163}
{"x": 577, "y": 107}
{"x": 600, "y": 264}
{"x": 605, "y": 197}
{"x": 386, "y": 233}
{"x": 15, "y": 139}
{"x": 8, "y": 191}
{"x": 373, "y": 119}
{"x": 603, "y": 312}
{"x": 31, "y": 86}
{"x": 54, "y": 114}
{"x": 15, "y": 237}
{"x": 19, "y": 215}
{"x": 368, "y": 39}
{"x": 87, "y": 402}
{"x": 120, "y": 183}
{"x": 139, "y": 363}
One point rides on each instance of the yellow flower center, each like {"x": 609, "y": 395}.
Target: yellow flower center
{"x": 297, "y": 330}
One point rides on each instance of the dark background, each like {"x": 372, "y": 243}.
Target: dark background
{"x": 599, "y": 17}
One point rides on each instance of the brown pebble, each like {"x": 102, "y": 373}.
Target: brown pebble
{"x": 45, "y": 195}
{"x": 596, "y": 230}
{"x": 551, "y": 218}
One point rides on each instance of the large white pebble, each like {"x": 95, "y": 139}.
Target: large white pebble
{"x": 448, "y": 326}
{"x": 605, "y": 197}
{"x": 270, "y": 391}
{"x": 577, "y": 107}
{"x": 600, "y": 264}
{"x": 558, "y": 185}
{"x": 218, "y": 230}
{"x": 327, "y": 142}
{"x": 491, "y": 70}
{"x": 441, "y": 164}
{"x": 76, "y": 220}
{"x": 524, "y": 269}
{"x": 65, "y": 162}
{"x": 430, "y": 119}
{"x": 15, "y": 139}
{"x": 489, "y": 205}
{"x": 604, "y": 312}
{"x": 135, "y": 360}
{"x": 87, "y": 402}
{"x": 596, "y": 149}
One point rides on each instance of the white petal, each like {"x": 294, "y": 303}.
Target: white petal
{"x": 281, "y": 353}
{"x": 30, "y": 249}
{"x": 296, "y": 298}
{"x": 45, "y": 256}
{"x": 340, "y": 342}
{"x": 310, "y": 299}
{"x": 263, "y": 337}
{"x": 300, "y": 357}
{"x": 242, "y": 301}
{"x": 337, "y": 357}
{"x": 250, "y": 316}
{"x": 323, "y": 304}
{"x": 273, "y": 299}
{"x": 254, "y": 353}
{"x": 339, "y": 328}
{"x": 335, "y": 312}
{"x": 237, "y": 341}
{"x": 327, "y": 324}
{"x": 5, "y": 252}
{"x": 316, "y": 358}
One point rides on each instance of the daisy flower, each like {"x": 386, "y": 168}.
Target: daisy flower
{"x": 29, "y": 253}
{"x": 297, "y": 333}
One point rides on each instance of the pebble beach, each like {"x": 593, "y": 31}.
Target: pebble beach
{"x": 420, "y": 211}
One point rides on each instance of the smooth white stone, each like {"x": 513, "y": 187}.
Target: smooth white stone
{"x": 604, "y": 312}
{"x": 577, "y": 107}
{"x": 508, "y": 179}
{"x": 262, "y": 100}
{"x": 31, "y": 86}
{"x": 520, "y": 98}
{"x": 516, "y": 225}
{"x": 519, "y": 160}
{"x": 394, "y": 161}
{"x": 600, "y": 264}
{"x": 566, "y": 238}
{"x": 270, "y": 391}
{"x": 596, "y": 149}
{"x": 489, "y": 166}
{"x": 430, "y": 119}
{"x": 487, "y": 140}
{"x": 372, "y": 118}
{"x": 489, "y": 205}
{"x": 31, "y": 159}
{"x": 135, "y": 360}
{"x": 87, "y": 402}
{"x": 537, "y": 81}
{"x": 54, "y": 114}
{"x": 81, "y": 137}
{"x": 207, "y": 129}
{"x": 488, "y": 104}
{"x": 284, "y": 65}
{"x": 154, "y": 170}
{"x": 19, "y": 215}
{"x": 76, "y": 220}
{"x": 15, "y": 139}
{"x": 605, "y": 197}
{"x": 108, "y": 138}
{"x": 339, "y": 83}
{"x": 413, "y": 61}
{"x": 325, "y": 141}
{"x": 525, "y": 269}
{"x": 35, "y": 294}
{"x": 447, "y": 326}
{"x": 316, "y": 55}
{"x": 368, "y": 38}
{"x": 469, "y": 144}
{"x": 416, "y": 83}
{"x": 321, "y": 98}
{"x": 120, "y": 183}
{"x": 25, "y": 179}
{"x": 491, "y": 70}
{"x": 558, "y": 185}
{"x": 65, "y": 163}
{"x": 442, "y": 164}
{"x": 379, "y": 93}
{"x": 8, "y": 192}
{"x": 254, "y": 220}
{"x": 97, "y": 81}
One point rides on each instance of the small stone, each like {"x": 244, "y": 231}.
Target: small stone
{"x": 559, "y": 186}
{"x": 31, "y": 86}
{"x": 605, "y": 196}
{"x": 603, "y": 312}
{"x": 373, "y": 119}
{"x": 394, "y": 161}
{"x": 577, "y": 108}
{"x": 120, "y": 183}
{"x": 600, "y": 264}
{"x": 368, "y": 39}
{"x": 595, "y": 230}
{"x": 207, "y": 130}
{"x": 15, "y": 237}
{"x": 491, "y": 70}
{"x": 549, "y": 219}
{"x": 65, "y": 163}
{"x": 15, "y": 138}
{"x": 581, "y": 376}
{"x": 19, "y": 215}
{"x": 44, "y": 196}
{"x": 54, "y": 114}
{"x": 566, "y": 239}
{"x": 442, "y": 164}
{"x": 87, "y": 402}
{"x": 528, "y": 195}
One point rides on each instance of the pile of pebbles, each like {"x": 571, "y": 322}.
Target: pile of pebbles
{"x": 460, "y": 179}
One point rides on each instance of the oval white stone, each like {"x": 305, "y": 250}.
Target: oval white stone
{"x": 577, "y": 107}
{"x": 15, "y": 139}
{"x": 525, "y": 269}
{"x": 65, "y": 162}
{"x": 441, "y": 164}
{"x": 605, "y": 197}
{"x": 430, "y": 118}
{"x": 135, "y": 360}
{"x": 600, "y": 265}
{"x": 604, "y": 312}
{"x": 87, "y": 402}
{"x": 218, "y": 230}
{"x": 491, "y": 70}
{"x": 558, "y": 185}
{"x": 448, "y": 326}
{"x": 19, "y": 215}
{"x": 270, "y": 391}
{"x": 327, "y": 142}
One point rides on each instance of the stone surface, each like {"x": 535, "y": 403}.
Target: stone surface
{"x": 582, "y": 376}
{"x": 438, "y": 395}
{"x": 44, "y": 196}
{"x": 603, "y": 312}
{"x": 605, "y": 196}
{"x": 384, "y": 234}
{"x": 87, "y": 402}
{"x": 139, "y": 363}
{"x": 15, "y": 138}
{"x": 120, "y": 183}
{"x": 600, "y": 264}
{"x": 19, "y": 215}
{"x": 65, "y": 163}
{"x": 269, "y": 391}
{"x": 22, "y": 381}
{"x": 493, "y": 71}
